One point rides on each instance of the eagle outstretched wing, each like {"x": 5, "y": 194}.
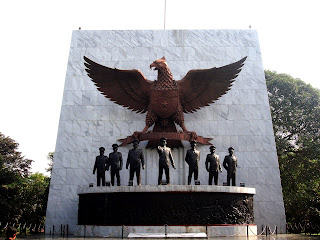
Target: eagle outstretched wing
{"x": 128, "y": 88}
{"x": 201, "y": 87}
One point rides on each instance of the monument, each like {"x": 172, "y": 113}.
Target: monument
{"x": 240, "y": 118}
{"x": 136, "y": 161}
{"x": 165, "y": 158}
{"x": 165, "y": 100}
{"x": 115, "y": 163}
{"x": 213, "y": 166}
{"x": 101, "y": 165}
{"x": 192, "y": 159}
{"x": 230, "y": 164}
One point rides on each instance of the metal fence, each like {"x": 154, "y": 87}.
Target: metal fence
{"x": 31, "y": 228}
{"x": 304, "y": 227}
{"x": 63, "y": 230}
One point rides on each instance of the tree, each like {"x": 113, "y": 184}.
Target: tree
{"x": 12, "y": 159}
{"x": 14, "y": 168}
{"x": 23, "y": 196}
{"x": 34, "y": 197}
{"x": 295, "y": 110}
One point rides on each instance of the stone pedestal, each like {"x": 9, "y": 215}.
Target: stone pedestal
{"x": 159, "y": 205}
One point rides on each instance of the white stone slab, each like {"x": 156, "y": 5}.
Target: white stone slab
{"x": 166, "y": 188}
{"x": 172, "y": 231}
{"x": 170, "y": 235}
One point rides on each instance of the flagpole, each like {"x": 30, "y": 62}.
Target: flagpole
{"x": 165, "y": 8}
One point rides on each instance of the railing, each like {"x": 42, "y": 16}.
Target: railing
{"x": 30, "y": 228}
{"x": 166, "y": 230}
{"x": 304, "y": 227}
{"x": 23, "y": 228}
{"x": 63, "y": 230}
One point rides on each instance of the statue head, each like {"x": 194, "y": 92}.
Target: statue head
{"x": 135, "y": 143}
{"x": 115, "y": 147}
{"x": 212, "y": 149}
{"x": 101, "y": 149}
{"x": 163, "y": 142}
{"x": 231, "y": 150}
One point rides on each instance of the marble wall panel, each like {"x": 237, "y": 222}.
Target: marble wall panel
{"x": 234, "y": 142}
{"x": 241, "y": 118}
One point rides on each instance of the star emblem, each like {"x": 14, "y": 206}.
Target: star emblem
{"x": 164, "y": 104}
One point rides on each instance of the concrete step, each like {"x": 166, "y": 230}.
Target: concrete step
{"x": 169, "y": 235}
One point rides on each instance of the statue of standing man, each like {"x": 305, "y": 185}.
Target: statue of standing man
{"x": 213, "y": 165}
{"x": 115, "y": 161}
{"x": 136, "y": 161}
{"x": 230, "y": 164}
{"x": 193, "y": 158}
{"x": 101, "y": 165}
{"x": 165, "y": 157}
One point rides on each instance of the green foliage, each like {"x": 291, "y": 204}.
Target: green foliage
{"x": 23, "y": 195}
{"x": 295, "y": 110}
{"x": 50, "y": 157}
{"x": 34, "y": 197}
{"x": 13, "y": 169}
{"x": 11, "y": 159}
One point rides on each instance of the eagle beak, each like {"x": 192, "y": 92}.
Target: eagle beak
{"x": 153, "y": 65}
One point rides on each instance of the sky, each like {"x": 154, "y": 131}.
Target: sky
{"x": 36, "y": 35}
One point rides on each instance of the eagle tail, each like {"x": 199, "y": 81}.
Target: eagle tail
{"x": 171, "y": 127}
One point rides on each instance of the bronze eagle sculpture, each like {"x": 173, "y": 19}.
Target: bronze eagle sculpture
{"x": 165, "y": 100}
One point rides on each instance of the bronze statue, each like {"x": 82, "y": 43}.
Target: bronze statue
{"x": 115, "y": 161}
{"x": 165, "y": 100}
{"x": 101, "y": 166}
{"x": 230, "y": 164}
{"x": 136, "y": 161}
{"x": 165, "y": 157}
{"x": 193, "y": 158}
{"x": 213, "y": 165}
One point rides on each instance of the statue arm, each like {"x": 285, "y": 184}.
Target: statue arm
{"x": 121, "y": 160}
{"x": 107, "y": 163}
{"x": 220, "y": 169}
{"x": 171, "y": 159}
{"x": 128, "y": 160}
{"x": 95, "y": 166}
{"x": 187, "y": 158}
{"x": 225, "y": 163}
{"x": 142, "y": 160}
{"x": 207, "y": 163}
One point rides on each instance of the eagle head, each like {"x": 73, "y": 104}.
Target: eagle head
{"x": 159, "y": 64}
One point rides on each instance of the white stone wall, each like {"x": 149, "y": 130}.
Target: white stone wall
{"x": 241, "y": 118}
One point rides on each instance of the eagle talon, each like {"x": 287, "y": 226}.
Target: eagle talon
{"x": 193, "y": 136}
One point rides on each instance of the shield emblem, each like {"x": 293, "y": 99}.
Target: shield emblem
{"x": 164, "y": 103}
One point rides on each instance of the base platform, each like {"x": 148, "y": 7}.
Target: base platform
{"x": 175, "y": 205}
